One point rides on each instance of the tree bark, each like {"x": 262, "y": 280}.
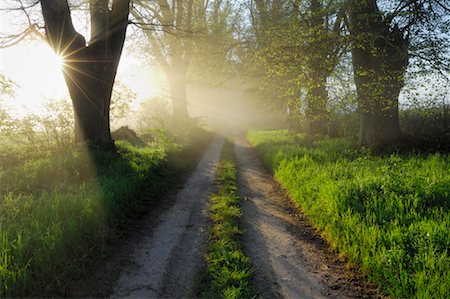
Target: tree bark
{"x": 380, "y": 58}
{"x": 177, "y": 86}
{"x": 89, "y": 69}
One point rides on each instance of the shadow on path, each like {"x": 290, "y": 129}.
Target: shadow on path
{"x": 290, "y": 259}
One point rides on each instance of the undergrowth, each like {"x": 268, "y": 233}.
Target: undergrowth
{"x": 59, "y": 210}
{"x": 388, "y": 214}
{"x": 228, "y": 272}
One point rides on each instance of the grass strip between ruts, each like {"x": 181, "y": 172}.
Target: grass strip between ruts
{"x": 228, "y": 271}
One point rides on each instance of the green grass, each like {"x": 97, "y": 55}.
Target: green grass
{"x": 59, "y": 210}
{"x": 389, "y": 215}
{"x": 228, "y": 272}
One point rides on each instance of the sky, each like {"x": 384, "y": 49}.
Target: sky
{"x": 36, "y": 70}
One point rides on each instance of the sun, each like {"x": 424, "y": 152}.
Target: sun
{"x": 58, "y": 61}
{"x": 37, "y": 71}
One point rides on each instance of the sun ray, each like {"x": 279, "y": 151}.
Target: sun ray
{"x": 82, "y": 72}
{"x": 86, "y": 94}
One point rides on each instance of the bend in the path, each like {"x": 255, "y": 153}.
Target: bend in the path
{"x": 166, "y": 263}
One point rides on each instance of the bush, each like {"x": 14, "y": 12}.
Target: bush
{"x": 427, "y": 129}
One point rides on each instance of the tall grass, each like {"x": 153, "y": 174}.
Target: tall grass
{"x": 58, "y": 210}
{"x": 390, "y": 214}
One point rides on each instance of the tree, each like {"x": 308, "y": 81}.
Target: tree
{"x": 380, "y": 59}
{"x": 301, "y": 42}
{"x": 181, "y": 32}
{"x": 170, "y": 44}
{"x": 324, "y": 48}
{"x": 89, "y": 68}
{"x": 383, "y": 44}
{"x": 121, "y": 106}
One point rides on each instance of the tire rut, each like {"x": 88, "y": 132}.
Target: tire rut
{"x": 290, "y": 259}
{"x": 167, "y": 262}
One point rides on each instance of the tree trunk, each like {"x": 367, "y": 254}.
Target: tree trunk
{"x": 91, "y": 97}
{"x": 177, "y": 85}
{"x": 176, "y": 75}
{"x": 324, "y": 47}
{"x": 379, "y": 119}
{"x": 317, "y": 99}
{"x": 89, "y": 70}
{"x": 380, "y": 58}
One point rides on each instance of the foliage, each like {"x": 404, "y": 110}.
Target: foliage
{"x": 192, "y": 39}
{"x": 59, "y": 209}
{"x": 299, "y": 44}
{"x": 7, "y": 88}
{"x": 121, "y": 99}
{"x": 228, "y": 272}
{"x": 53, "y": 127}
{"x": 302, "y": 52}
{"x": 153, "y": 113}
{"x": 390, "y": 214}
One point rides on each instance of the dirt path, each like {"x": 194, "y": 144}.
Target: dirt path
{"x": 166, "y": 261}
{"x": 289, "y": 257}
{"x": 164, "y": 257}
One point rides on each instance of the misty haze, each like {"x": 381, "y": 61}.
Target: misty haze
{"x": 224, "y": 149}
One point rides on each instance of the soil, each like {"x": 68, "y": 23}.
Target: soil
{"x": 168, "y": 259}
{"x": 163, "y": 258}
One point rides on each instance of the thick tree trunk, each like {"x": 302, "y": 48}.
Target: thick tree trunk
{"x": 90, "y": 86}
{"x": 89, "y": 70}
{"x": 378, "y": 110}
{"x": 380, "y": 128}
{"x": 380, "y": 58}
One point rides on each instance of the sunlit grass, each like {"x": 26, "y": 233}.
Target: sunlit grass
{"x": 390, "y": 215}
{"x": 228, "y": 272}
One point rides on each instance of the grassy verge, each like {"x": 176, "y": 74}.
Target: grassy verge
{"x": 390, "y": 214}
{"x": 228, "y": 273}
{"x": 58, "y": 211}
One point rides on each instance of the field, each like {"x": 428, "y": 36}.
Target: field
{"x": 59, "y": 210}
{"x": 387, "y": 214}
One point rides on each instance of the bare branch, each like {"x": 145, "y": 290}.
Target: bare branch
{"x": 14, "y": 39}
